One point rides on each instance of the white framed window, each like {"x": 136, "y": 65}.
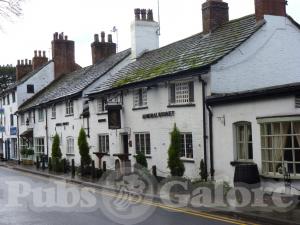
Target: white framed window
{"x": 140, "y": 98}
{"x": 39, "y": 145}
{"x": 69, "y": 108}
{"x": 186, "y": 143}
{"x": 70, "y": 145}
{"x": 53, "y": 111}
{"x": 22, "y": 119}
{"x": 142, "y": 143}
{"x": 243, "y": 141}
{"x": 41, "y": 115}
{"x": 280, "y": 146}
{"x": 104, "y": 143}
{"x": 101, "y": 104}
{"x": 181, "y": 92}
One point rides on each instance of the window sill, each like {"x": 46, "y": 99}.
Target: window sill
{"x": 139, "y": 108}
{"x": 181, "y": 105}
{"x": 146, "y": 156}
{"x": 187, "y": 160}
{"x": 69, "y": 115}
{"x": 277, "y": 177}
{"x": 236, "y": 163}
{"x": 70, "y": 154}
{"x": 53, "y": 118}
{"x": 101, "y": 113}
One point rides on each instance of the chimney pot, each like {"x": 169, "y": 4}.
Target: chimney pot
{"x": 26, "y": 62}
{"x": 143, "y": 14}
{"x": 18, "y": 62}
{"x": 35, "y": 53}
{"x": 109, "y": 38}
{"x": 66, "y": 37}
{"x": 150, "y": 15}
{"x": 40, "y": 53}
{"x": 30, "y": 62}
{"x": 61, "y": 36}
{"x": 137, "y": 13}
{"x": 44, "y": 54}
{"x": 55, "y": 36}
{"x": 102, "y": 36}
{"x": 96, "y": 37}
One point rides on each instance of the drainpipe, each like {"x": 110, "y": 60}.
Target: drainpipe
{"x": 204, "y": 121}
{"x": 18, "y": 139}
{"x": 211, "y": 150}
{"x": 47, "y": 138}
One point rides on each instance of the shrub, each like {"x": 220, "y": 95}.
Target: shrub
{"x": 141, "y": 159}
{"x": 56, "y": 151}
{"x": 203, "y": 171}
{"x": 174, "y": 163}
{"x": 84, "y": 148}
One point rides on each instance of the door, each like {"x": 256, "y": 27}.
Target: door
{"x": 7, "y": 149}
{"x": 125, "y": 144}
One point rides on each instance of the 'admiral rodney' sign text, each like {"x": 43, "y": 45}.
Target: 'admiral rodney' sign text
{"x": 158, "y": 115}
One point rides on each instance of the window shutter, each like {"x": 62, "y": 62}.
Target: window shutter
{"x": 172, "y": 93}
{"x": 191, "y": 91}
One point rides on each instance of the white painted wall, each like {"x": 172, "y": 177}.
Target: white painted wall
{"x": 270, "y": 57}
{"x": 187, "y": 119}
{"x": 40, "y": 80}
{"x": 244, "y": 111}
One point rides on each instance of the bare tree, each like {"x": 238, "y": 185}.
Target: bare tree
{"x": 10, "y": 8}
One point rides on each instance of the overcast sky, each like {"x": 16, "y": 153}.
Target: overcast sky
{"x": 80, "y": 20}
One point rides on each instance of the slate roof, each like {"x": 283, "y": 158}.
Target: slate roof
{"x": 25, "y": 78}
{"x": 252, "y": 95}
{"x": 195, "y": 52}
{"x": 73, "y": 83}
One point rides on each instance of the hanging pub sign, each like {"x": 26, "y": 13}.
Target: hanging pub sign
{"x": 114, "y": 116}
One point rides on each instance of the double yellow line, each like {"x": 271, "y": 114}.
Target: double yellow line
{"x": 187, "y": 211}
{"x": 181, "y": 210}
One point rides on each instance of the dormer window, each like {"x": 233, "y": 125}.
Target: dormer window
{"x": 140, "y": 98}
{"x": 30, "y": 89}
{"x": 181, "y": 93}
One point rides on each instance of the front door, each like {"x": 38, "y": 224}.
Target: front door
{"x": 7, "y": 149}
{"x": 125, "y": 144}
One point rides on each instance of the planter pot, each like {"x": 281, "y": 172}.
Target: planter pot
{"x": 27, "y": 162}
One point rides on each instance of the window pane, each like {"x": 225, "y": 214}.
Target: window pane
{"x": 268, "y": 129}
{"x": 182, "y": 143}
{"x": 241, "y": 152}
{"x": 148, "y": 146}
{"x": 279, "y": 168}
{"x": 263, "y": 142}
{"x": 250, "y": 151}
{"x": 142, "y": 139}
{"x": 270, "y": 167}
{"x": 277, "y": 155}
{"x": 288, "y": 155}
{"x": 249, "y": 133}
{"x": 298, "y": 168}
{"x": 107, "y": 143}
{"x": 286, "y": 128}
{"x": 137, "y": 143}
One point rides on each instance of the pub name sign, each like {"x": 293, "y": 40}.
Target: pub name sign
{"x": 159, "y": 115}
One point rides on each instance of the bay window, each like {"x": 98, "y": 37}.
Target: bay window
{"x": 280, "y": 145}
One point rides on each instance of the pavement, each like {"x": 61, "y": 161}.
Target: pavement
{"x": 227, "y": 215}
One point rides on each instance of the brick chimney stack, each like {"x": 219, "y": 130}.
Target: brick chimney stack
{"x": 102, "y": 50}
{"x": 23, "y": 68}
{"x": 63, "y": 54}
{"x": 144, "y": 33}
{"x": 214, "y": 14}
{"x": 269, "y": 7}
{"x": 39, "y": 60}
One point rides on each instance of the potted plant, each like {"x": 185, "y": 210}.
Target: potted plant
{"x": 27, "y": 156}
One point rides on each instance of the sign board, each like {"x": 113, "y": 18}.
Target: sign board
{"x": 114, "y": 117}
{"x": 13, "y": 131}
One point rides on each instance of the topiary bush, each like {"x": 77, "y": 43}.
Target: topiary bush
{"x": 174, "y": 163}
{"x": 56, "y": 155}
{"x": 203, "y": 171}
{"x": 84, "y": 151}
{"x": 141, "y": 159}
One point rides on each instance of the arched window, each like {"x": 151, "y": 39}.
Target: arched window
{"x": 243, "y": 141}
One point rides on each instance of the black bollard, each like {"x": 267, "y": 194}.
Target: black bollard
{"x": 154, "y": 171}
{"x": 104, "y": 166}
{"x": 37, "y": 162}
{"x": 73, "y": 168}
{"x": 50, "y": 164}
{"x": 93, "y": 169}
{"x": 43, "y": 162}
